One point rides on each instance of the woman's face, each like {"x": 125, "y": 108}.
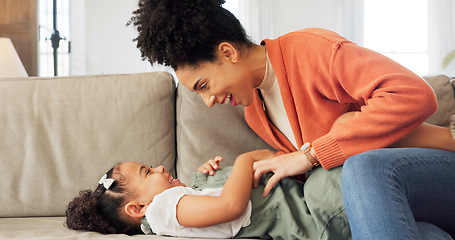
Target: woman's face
{"x": 227, "y": 80}
{"x": 145, "y": 182}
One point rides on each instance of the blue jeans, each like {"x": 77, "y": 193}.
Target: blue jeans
{"x": 400, "y": 193}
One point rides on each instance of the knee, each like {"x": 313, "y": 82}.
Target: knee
{"x": 363, "y": 168}
{"x": 359, "y": 163}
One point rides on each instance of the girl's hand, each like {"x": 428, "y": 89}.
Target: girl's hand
{"x": 282, "y": 166}
{"x": 210, "y": 166}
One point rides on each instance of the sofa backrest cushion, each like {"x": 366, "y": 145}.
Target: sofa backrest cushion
{"x": 444, "y": 91}
{"x": 204, "y": 132}
{"x": 61, "y": 135}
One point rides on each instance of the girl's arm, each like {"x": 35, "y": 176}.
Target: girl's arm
{"x": 428, "y": 136}
{"x": 424, "y": 136}
{"x": 203, "y": 211}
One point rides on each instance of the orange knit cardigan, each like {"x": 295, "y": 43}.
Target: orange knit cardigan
{"x": 321, "y": 76}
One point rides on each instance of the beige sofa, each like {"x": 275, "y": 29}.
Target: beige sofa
{"x": 60, "y": 135}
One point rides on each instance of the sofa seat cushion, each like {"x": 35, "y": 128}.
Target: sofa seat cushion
{"x": 51, "y": 228}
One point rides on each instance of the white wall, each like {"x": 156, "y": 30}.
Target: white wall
{"x": 342, "y": 16}
{"x": 291, "y": 15}
{"x": 109, "y": 45}
{"x": 273, "y": 18}
{"x": 77, "y": 32}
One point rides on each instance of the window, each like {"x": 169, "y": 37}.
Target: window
{"x": 398, "y": 29}
{"x": 50, "y": 19}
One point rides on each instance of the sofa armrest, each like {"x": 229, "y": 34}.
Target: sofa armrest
{"x": 443, "y": 88}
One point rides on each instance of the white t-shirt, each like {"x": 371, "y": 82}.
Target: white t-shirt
{"x": 274, "y": 103}
{"x": 161, "y": 214}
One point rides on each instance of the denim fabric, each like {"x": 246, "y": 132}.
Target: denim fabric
{"x": 401, "y": 193}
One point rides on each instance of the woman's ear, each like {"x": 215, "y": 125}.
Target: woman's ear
{"x": 135, "y": 210}
{"x": 228, "y": 51}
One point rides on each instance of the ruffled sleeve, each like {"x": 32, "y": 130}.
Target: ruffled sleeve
{"x": 161, "y": 215}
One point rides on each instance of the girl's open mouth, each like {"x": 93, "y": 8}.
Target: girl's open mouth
{"x": 171, "y": 179}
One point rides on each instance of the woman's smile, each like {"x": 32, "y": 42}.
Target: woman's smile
{"x": 229, "y": 99}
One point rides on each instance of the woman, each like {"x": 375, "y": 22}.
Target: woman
{"x": 294, "y": 88}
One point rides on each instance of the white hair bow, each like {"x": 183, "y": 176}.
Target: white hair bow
{"x": 107, "y": 182}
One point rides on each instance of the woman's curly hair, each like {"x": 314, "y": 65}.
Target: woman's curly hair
{"x": 101, "y": 210}
{"x": 185, "y": 32}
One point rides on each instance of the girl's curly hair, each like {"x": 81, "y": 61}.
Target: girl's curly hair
{"x": 185, "y": 32}
{"x": 101, "y": 210}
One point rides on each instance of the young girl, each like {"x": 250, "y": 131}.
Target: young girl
{"x": 133, "y": 198}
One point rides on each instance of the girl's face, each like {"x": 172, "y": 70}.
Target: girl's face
{"x": 227, "y": 80}
{"x": 145, "y": 182}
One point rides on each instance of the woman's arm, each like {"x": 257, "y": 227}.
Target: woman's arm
{"x": 203, "y": 211}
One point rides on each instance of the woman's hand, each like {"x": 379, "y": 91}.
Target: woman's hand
{"x": 210, "y": 166}
{"x": 282, "y": 166}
